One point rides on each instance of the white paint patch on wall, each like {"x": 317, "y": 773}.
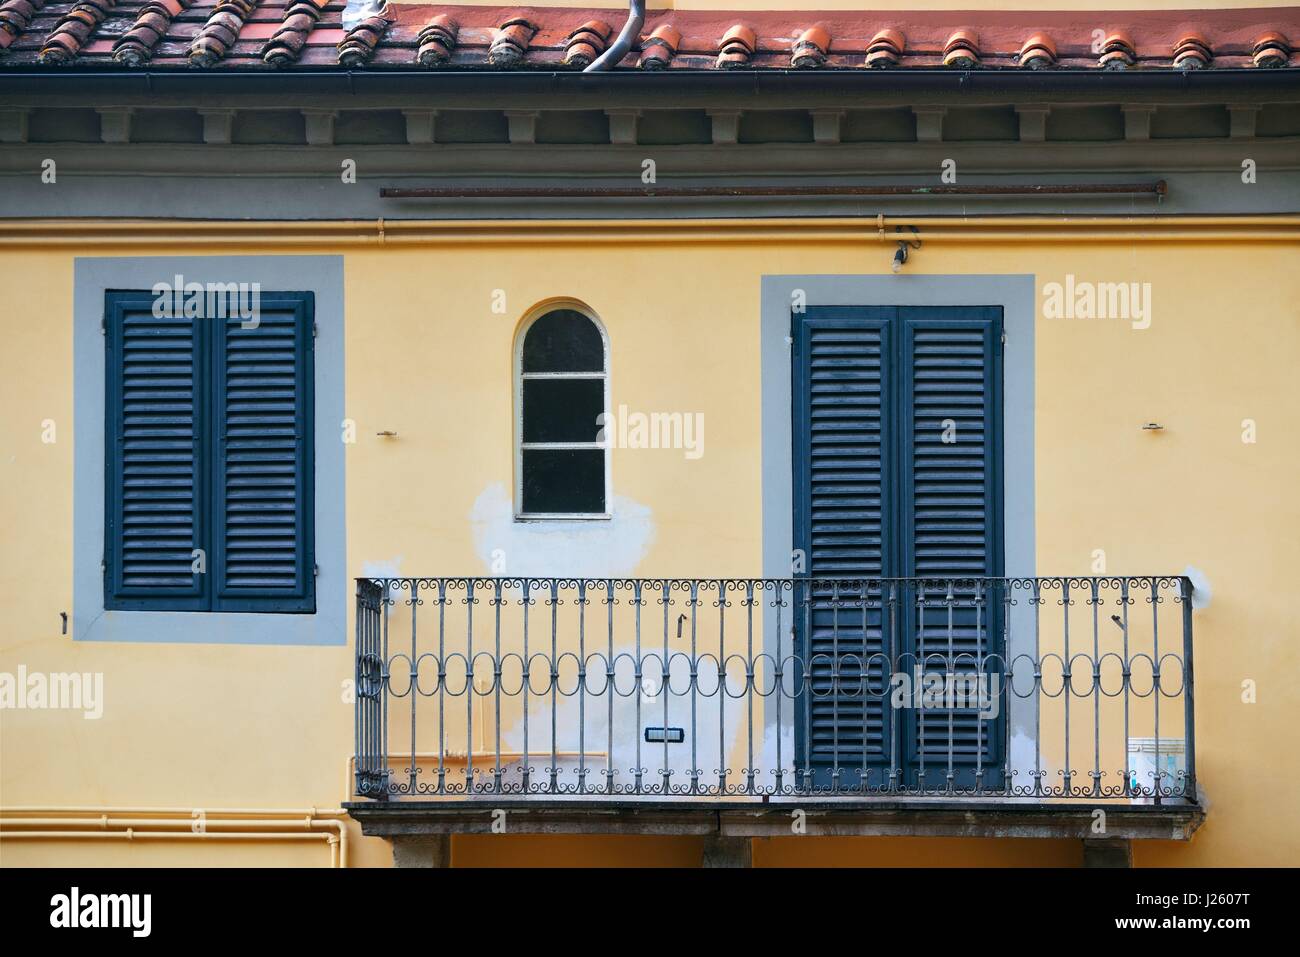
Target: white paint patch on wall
{"x": 1025, "y": 760}
{"x": 1201, "y": 590}
{"x": 715, "y": 731}
{"x": 382, "y": 569}
{"x": 607, "y": 548}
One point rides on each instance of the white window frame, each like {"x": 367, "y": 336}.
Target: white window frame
{"x": 534, "y": 314}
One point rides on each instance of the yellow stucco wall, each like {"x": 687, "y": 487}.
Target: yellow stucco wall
{"x": 234, "y": 726}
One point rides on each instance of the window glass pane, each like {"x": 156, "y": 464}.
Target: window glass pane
{"x": 563, "y": 341}
{"x": 563, "y": 480}
{"x": 562, "y": 410}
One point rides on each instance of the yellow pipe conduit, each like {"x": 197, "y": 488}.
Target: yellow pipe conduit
{"x": 273, "y": 825}
{"x": 91, "y": 823}
{"x": 29, "y": 233}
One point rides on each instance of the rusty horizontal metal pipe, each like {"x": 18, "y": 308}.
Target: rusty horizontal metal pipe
{"x": 1158, "y": 189}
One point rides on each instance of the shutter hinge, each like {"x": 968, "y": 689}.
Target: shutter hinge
{"x": 315, "y": 571}
{"x": 315, "y": 330}
{"x": 1004, "y": 338}
{"x": 103, "y": 327}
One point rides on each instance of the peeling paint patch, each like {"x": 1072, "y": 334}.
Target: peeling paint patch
{"x": 610, "y": 548}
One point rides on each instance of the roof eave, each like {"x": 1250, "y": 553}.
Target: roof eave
{"x": 28, "y": 80}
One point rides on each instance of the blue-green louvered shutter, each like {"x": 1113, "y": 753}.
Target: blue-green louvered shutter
{"x": 843, "y": 491}
{"x": 951, "y": 513}
{"x": 154, "y": 456}
{"x": 263, "y": 481}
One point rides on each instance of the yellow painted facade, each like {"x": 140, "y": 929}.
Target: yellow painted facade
{"x": 266, "y": 732}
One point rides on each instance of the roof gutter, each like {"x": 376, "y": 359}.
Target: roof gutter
{"x": 618, "y": 49}
{"x": 108, "y": 81}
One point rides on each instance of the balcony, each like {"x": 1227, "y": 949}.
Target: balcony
{"x": 755, "y": 707}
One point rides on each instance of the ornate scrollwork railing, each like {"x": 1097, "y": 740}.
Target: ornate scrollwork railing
{"x": 1038, "y": 688}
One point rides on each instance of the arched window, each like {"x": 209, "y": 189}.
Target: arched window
{"x": 562, "y": 465}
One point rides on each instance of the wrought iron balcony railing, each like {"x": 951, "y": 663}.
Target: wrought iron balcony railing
{"x": 739, "y": 689}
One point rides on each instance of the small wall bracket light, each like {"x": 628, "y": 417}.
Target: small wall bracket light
{"x": 900, "y": 254}
{"x": 1153, "y": 427}
{"x": 387, "y": 434}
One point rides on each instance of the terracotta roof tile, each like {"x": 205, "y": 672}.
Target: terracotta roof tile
{"x": 658, "y": 49}
{"x": 1192, "y": 52}
{"x": 737, "y": 46}
{"x": 511, "y": 42}
{"x": 886, "y": 49}
{"x": 811, "y": 48}
{"x": 358, "y": 44}
{"x": 586, "y": 43}
{"x": 74, "y": 30}
{"x": 1117, "y": 51}
{"x": 1271, "y": 50}
{"x": 962, "y": 49}
{"x": 436, "y": 41}
{"x": 135, "y": 46}
{"x": 287, "y": 42}
{"x": 15, "y": 17}
{"x": 220, "y": 32}
{"x": 310, "y": 34}
{"x": 1038, "y": 52}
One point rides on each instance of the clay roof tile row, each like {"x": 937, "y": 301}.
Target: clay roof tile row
{"x": 436, "y": 41}
{"x": 738, "y": 45}
{"x": 1038, "y": 52}
{"x": 510, "y": 43}
{"x": 136, "y": 45}
{"x": 358, "y": 46}
{"x": 250, "y": 34}
{"x": 658, "y": 49}
{"x": 586, "y": 43}
{"x": 220, "y": 32}
{"x": 74, "y": 30}
{"x": 15, "y": 17}
{"x": 287, "y": 42}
